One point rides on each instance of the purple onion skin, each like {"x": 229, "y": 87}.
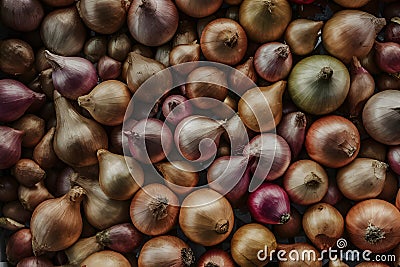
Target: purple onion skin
{"x": 236, "y": 195}
{"x": 72, "y": 76}
{"x": 10, "y": 146}
{"x": 392, "y": 32}
{"x": 269, "y": 204}
{"x": 293, "y": 129}
{"x": 35, "y": 262}
{"x": 123, "y": 238}
{"x": 394, "y": 158}
{"x": 22, "y": 15}
{"x": 15, "y": 99}
{"x": 19, "y": 246}
{"x": 175, "y": 108}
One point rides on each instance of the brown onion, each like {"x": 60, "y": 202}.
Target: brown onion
{"x": 237, "y": 82}
{"x": 293, "y": 129}
{"x": 161, "y": 26}
{"x": 180, "y": 176}
{"x": 381, "y": 117}
{"x": 103, "y": 16}
{"x": 21, "y": 15}
{"x": 154, "y": 209}
{"x": 33, "y": 127}
{"x": 95, "y": 48}
{"x": 63, "y": 32}
{"x": 215, "y": 257}
{"x": 27, "y": 172}
{"x": 394, "y": 158}
{"x": 372, "y": 149}
{"x": 224, "y": 41}
{"x": 273, "y": 61}
{"x": 302, "y": 35}
{"x": 106, "y": 258}
{"x": 206, "y": 217}
{"x": 198, "y": 8}
{"x": 351, "y": 33}
{"x": 265, "y": 20}
{"x": 390, "y": 189}
{"x": 166, "y": 251}
{"x": 19, "y": 246}
{"x": 122, "y": 238}
{"x": 368, "y": 62}
{"x": 374, "y": 225}
{"x": 16, "y": 56}
{"x": 186, "y": 33}
{"x": 323, "y": 225}
{"x": 333, "y": 141}
{"x": 31, "y": 197}
{"x": 44, "y": 153}
{"x": 119, "y": 46}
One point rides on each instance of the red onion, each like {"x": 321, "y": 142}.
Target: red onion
{"x": 394, "y": 158}
{"x": 160, "y": 17}
{"x": 229, "y": 177}
{"x": 8, "y": 189}
{"x": 387, "y": 56}
{"x": 197, "y": 137}
{"x": 21, "y": 15}
{"x": 272, "y": 153}
{"x": 392, "y": 32}
{"x": 122, "y": 238}
{"x": 215, "y": 257}
{"x": 15, "y": 99}
{"x": 273, "y": 61}
{"x": 109, "y": 68}
{"x": 175, "y": 108}
{"x": 72, "y": 76}
{"x": 333, "y": 196}
{"x": 35, "y": 262}
{"x": 269, "y": 204}
{"x": 10, "y": 146}
{"x": 19, "y": 246}
{"x": 150, "y": 140}
{"x": 293, "y": 129}
{"x": 237, "y": 134}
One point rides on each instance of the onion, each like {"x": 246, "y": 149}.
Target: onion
{"x": 63, "y": 32}
{"x": 381, "y": 117}
{"x": 243, "y": 77}
{"x": 362, "y": 179}
{"x": 44, "y": 153}
{"x": 273, "y": 61}
{"x": 206, "y": 217}
{"x": 165, "y": 251}
{"x": 31, "y": 197}
{"x": 19, "y": 246}
{"x": 160, "y": 16}
{"x": 248, "y": 241}
{"x": 186, "y": 33}
{"x": 197, "y": 137}
{"x": 184, "y": 53}
{"x": 27, "y": 172}
{"x": 122, "y": 238}
{"x": 392, "y": 32}
{"x": 8, "y": 188}
{"x": 16, "y": 56}
{"x": 15, "y": 211}
{"x": 119, "y": 46}
{"x": 175, "y": 108}
{"x": 333, "y": 141}
{"x": 215, "y": 257}
{"x": 333, "y": 196}
{"x": 198, "y": 8}
{"x": 149, "y": 140}
{"x": 106, "y": 258}
{"x": 351, "y": 33}
{"x": 154, "y": 209}
{"x": 95, "y": 48}
{"x": 272, "y": 155}
{"x": 33, "y": 127}
{"x": 390, "y": 187}
{"x": 319, "y": 84}
{"x": 302, "y": 35}
{"x": 260, "y": 108}
{"x": 35, "y": 262}
{"x": 291, "y": 228}
{"x": 394, "y": 158}
{"x": 323, "y": 225}
{"x": 224, "y": 41}
{"x": 362, "y": 87}
{"x": 293, "y": 129}
{"x": 269, "y": 204}
{"x": 368, "y": 62}
{"x": 388, "y": 82}
{"x": 265, "y": 20}
{"x": 103, "y": 16}
{"x": 21, "y": 15}
{"x": 108, "y": 68}
{"x": 306, "y": 182}
{"x": 10, "y": 146}
{"x": 372, "y": 149}
{"x": 72, "y": 76}
{"x": 387, "y": 56}
{"x": 374, "y": 225}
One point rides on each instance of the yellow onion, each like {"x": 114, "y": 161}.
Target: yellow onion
{"x": 302, "y": 35}
{"x": 198, "y": 8}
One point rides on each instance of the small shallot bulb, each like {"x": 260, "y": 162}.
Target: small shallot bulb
{"x": 224, "y": 41}
{"x": 180, "y": 176}
{"x": 57, "y": 223}
{"x": 306, "y": 182}
{"x": 106, "y": 258}
{"x": 237, "y": 82}
{"x": 215, "y": 257}
{"x": 175, "y": 108}
{"x": 374, "y": 225}
{"x": 154, "y": 209}
{"x": 108, "y": 68}
{"x": 362, "y": 179}
{"x": 33, "y": 127}
{"x": 206, "y": 217}
{"x": 184, "y": 53}
{"x": 19, "y": 246}
{"x": 387, "y": 56}
{"x": 293, "y": 129}
{"x": 22, "y": 15}
{"x": 27, "y": 172}
{"x": 302, "y": 35}
{"x": 95, "y": 48}
{"x": 199, "y": 8}
{"x": 248, "y": 240}
{"x": 8, "y": 189}
{"x": 119, "y": 46}
{"x": 107, "y": 102}
{"x": 10, "y": 146}
{"x": 260, "y": 108}
{"x": 393, "y": 156}
{"x": 273, "y": 61}
{"x": 44, "y": 153}
{"x": 323, "y": 225}
{"x": 16, "y": 56}
{"x": 166, "y": 251}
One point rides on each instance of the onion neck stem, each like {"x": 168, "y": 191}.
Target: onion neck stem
{"x": 232, "y": 41}
{"x": 76, "y": 194}
{"x": 373, "y": 234}
{"x": 347, "y": 147}
{"x": 187, "y": 256}
{"x": 103, "y": 238}
{"x": 269, "y": 5}
{"x": 282, "y": 51}
{"x": 325, "y": 73}
{"x": 284, "y": 218}
{"x": 312, "y": 180}
{"x": 149, "y": 5}
{"x": 300, "y": 120}
{"x": 222, "y": 226}
{"x": 158, "y": 207}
